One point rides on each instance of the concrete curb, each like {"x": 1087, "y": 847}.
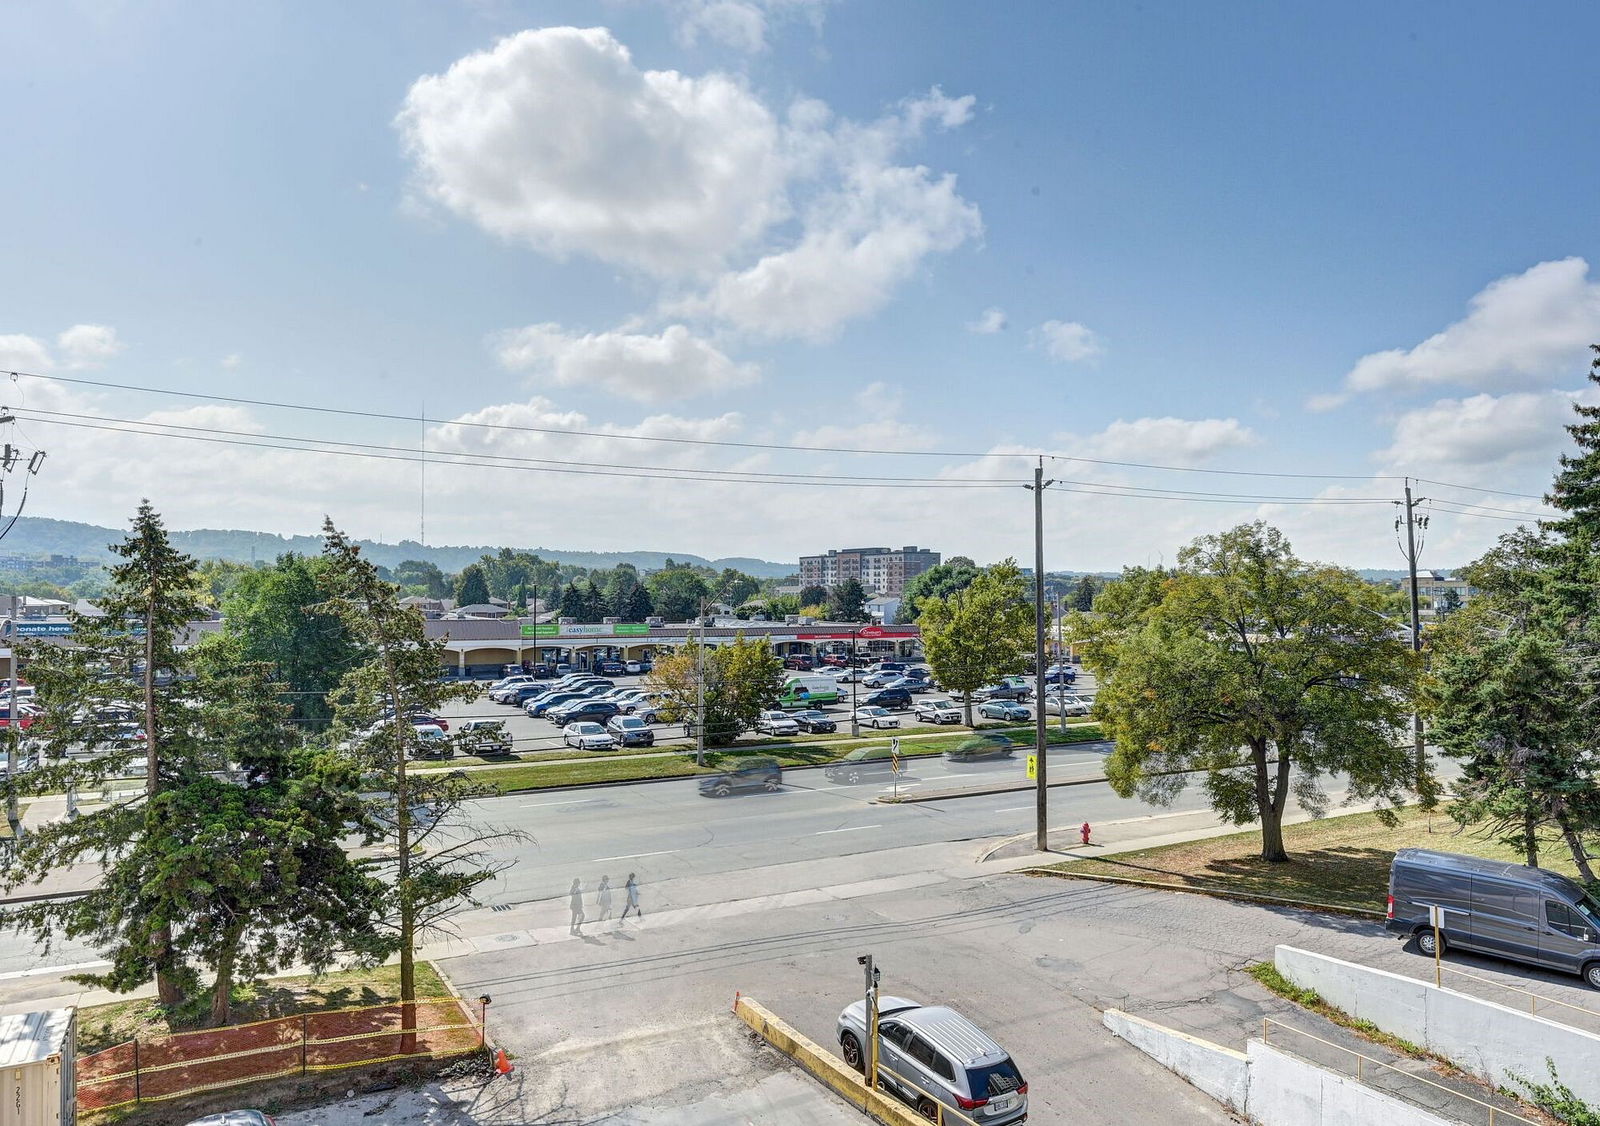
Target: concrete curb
{"x": 1215, "y": 893}
{"x": 825, "y": 1066}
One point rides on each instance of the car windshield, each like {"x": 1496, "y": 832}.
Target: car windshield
{"x": 630, "y": 721}
{"x": 588, "y": 728}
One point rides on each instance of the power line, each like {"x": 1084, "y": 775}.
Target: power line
{"x": 721, "y": 443}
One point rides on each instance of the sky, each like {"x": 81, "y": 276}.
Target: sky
{"x": 765, "y": 277}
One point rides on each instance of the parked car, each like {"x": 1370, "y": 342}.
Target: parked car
{"x": 847, "y": 675}
{"x": 519, "y": 694}
{"x": 610, "y": 668}
{"x": 799, "y": 662}
{"x": 897, "y": 699}
{"x": 630, "y": 731}
{"x": 580, "y": 711}
{"x": 876, "y": 717}
{"x": 549, "y": 701}
{"x": 633, "y": 668}
{"x": 236, "y": 1118}
{"x": 587, "y": 736}
{"x": 1003, "y": 691}
{"x": 934, "y": 1049}
{"x": 1065, "y": 703}
{"x": 751, "y": 774}
{"x": 836, "y": 660}
{"x": 938, "y": 711}
{"x": 861, "y": 765}
{"x": 814, "y": 722}
{"x": 432, "y": 742}
{"x": 509, "y": 682}
{"x": 877, "y": 678}
{"x": 776, "y": 723}
{"x": 987, "y": 746}
{"x": 1004, "y": 709}
{"x": 1491, "y": 907}
{"x": 910, "y": 684}
{"x": 484, "y": 737}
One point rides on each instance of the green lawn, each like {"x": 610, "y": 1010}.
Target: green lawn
{"x": 1342, "y": 861}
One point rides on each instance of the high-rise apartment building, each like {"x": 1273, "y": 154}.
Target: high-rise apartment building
{"x": 882, "y": 570}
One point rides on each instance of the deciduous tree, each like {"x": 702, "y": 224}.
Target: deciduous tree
{"x": 741, "y": 680}
{"x": 1257, "y": 672}
{"x": 979, "y": 632}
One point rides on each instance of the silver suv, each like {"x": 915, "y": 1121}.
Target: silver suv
{"x": 929, "y": 1054}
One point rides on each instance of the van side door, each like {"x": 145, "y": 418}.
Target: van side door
{"x": 1566, "y": 940}
{"x": 1505, "y": 919}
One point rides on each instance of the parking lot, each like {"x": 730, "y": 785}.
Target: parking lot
{"x": 531, "y": 735}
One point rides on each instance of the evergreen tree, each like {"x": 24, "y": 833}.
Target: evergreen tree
{"x": 639, "y": 606}
{"x": 472, "y": 587}
{"x": 371, "y": 708}
{"x": 813, "y": 595}
{"x": 847, "y": 602}
{"x": 1083, "y": 592}
{"x": 572, "y": 603}
{"x": 593, "y": 603}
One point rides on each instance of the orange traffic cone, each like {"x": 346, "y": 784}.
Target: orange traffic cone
{"x": 501, "y": 1063}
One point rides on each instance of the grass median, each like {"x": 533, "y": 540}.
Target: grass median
{"x": 532, "y": 776}
{"x": 1341, "y": 861}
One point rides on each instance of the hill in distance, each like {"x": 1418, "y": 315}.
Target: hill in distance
{"x": 37, "y": 535}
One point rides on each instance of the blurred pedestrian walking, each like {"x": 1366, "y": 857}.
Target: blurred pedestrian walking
{"x": 632, "y": 888}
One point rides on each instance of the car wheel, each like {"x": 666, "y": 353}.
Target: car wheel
{"x": 928, "y": 1108}
{"x": 772, "y": 785}
{"x": 851, "y": 1048}
{"x": 1591, "y": 974}
{"x": 1425, "y": 944}
{"x": 722, "y": 790}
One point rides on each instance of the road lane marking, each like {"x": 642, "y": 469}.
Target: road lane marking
{"x": 636, "y": 855}
{"x": 52, "y": 970}
{"x": 1015, "y": 808}
{"x": 852, "y": 829}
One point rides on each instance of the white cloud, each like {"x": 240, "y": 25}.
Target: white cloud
{"x": 1477, "y": 437}
{"x": 740, "y": 24}
{"x": 990, "y": 321}
{"x": 672, "y": 364}
{"x": 87, "y": 346}
{"x": 23, "y": 353}
{"x": 864, "y": 233}
{"x": 555, "y": 138}
{"x": 1068, "y": 341}
{"x": 232, "y": 360}
{"x": 1525, "y": 329}
{"x": 878, "y": 405}
{"x": 1164, "y": 441}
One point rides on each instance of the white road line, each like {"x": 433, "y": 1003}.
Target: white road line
{"x": 636, "y": 855}
{"x": 852, "y": 829}
{"x": 1013, "y": 808}
{"x": 53, "y": 970}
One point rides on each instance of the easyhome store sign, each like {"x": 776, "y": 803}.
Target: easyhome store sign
{"x": 551, "y": 629}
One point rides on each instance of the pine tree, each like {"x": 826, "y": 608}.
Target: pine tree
{"x": 372, "y": 707}
{"x": 472, "y": 587}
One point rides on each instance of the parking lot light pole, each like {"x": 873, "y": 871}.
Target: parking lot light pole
{"x": 855, "y": 676}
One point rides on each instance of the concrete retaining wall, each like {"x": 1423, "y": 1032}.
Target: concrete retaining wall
{"x": 1285, "y": 1091}
{"x": 1491, "y": 1041}
{"x": 1219, "y": 1072}
{"x": 825, "y": 1066}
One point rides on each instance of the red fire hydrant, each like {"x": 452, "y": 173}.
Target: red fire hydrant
{"x": 1085, "y": 832}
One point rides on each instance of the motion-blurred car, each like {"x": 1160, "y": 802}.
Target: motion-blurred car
{"x": 876, "y": 717}
{"x": 989, "y": 746}
{"x": 861, "y": 765}
{"x": 751, "y": 774}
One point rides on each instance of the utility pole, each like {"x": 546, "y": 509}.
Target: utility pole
{"x": 855, "y": 676}
{"x": 1412, "y": 521}
{"x": 1041, "y": 792}
{"x": 700, "y": 692}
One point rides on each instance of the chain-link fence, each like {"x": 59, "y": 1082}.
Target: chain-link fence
{"x": 154, "y": 1068}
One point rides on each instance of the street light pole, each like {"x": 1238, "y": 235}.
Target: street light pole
{"x": 1061, "y": 664}
{"x": 700, "y": 692}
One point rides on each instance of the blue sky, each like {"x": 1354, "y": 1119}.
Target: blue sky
{"x": 1279, "y": 239}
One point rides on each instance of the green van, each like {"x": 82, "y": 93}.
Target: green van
{"x": 808, "y": 691}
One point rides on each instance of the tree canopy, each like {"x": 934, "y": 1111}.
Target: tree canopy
{"x": 938, "y": 581}
{"x": 980, "y": 631}
{"x": 1259, "y": 671}
{"x": 741, "y": 680}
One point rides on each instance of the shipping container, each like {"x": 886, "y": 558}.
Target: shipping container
{"x": 37, "y": 1055}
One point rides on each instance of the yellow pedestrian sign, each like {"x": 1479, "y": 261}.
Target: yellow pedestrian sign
{"x": 1033, "y": 766}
